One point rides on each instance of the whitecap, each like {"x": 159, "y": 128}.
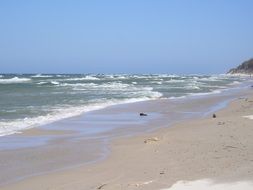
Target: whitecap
{"x": 78, "y": 85}
{"x": 14, "y": 80}
{"x": 235, "y": 83}
{"x": 55, "y": 82}
{"x": 210, "y": 79}
{"x": 192, "y": 87}
{"x": 168, "y": 75}
{"x": 175, "y": 81}
{"x": 41, "y": 76}
{"x": 40, "y": 83}
{"x": 205, "y": 93}
{"x": 156, "y": 82}
{"x": 59, "y": 113}
{"x": 104, "y": 86}
{"x": 120, "y": 77}
{"x": 48, "y": 82}
{"x": 82, "y": 78}
{"x": 176, "y": 97}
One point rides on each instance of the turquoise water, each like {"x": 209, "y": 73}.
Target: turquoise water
{"x": 28, "y": 101}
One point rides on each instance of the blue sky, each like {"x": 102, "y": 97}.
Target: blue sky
{"x": 128, "y": 36}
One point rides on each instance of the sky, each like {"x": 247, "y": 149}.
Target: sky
{"x": 125, "y": 36}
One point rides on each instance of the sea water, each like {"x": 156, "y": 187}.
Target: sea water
{"x": 31, "y": 100}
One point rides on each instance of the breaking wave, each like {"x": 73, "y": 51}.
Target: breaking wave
{"x": 14, "y": 80}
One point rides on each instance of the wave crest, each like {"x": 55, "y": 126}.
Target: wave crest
{"x": 14, "y": 80}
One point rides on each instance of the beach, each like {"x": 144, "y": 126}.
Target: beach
{"x": 126, "y": 95}
{"x": 181, "y": 141}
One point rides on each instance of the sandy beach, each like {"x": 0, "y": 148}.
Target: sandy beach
{"x": 196, "y": 152}
{"x": 126, "y": 95}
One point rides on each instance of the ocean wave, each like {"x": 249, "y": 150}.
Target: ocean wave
{"x": 205, "y": 93}
{"x": 192, "y": 87}
{"x": 16, "y": 126}
{"x": 55, "y": 82}
{"x": 103, "y": 86}
{"x": 156, "y": 82}
{"x": 41, "y": 76}
{"x": 175, "y": 81}
{"x": 168, "y": 76}
{"x": 176, "y": 97}
{"x": 121, "y": 88}
{"x": 48, "y": 82}
{"x": 187, "y": 87}
{"x": 61, "y": 75}
{"x": 195, "y": 94}
{"x": 82, "y": 78}
{"x": 1, "y": 76}
{"x": 127, "y": 90}
{"x": 210, "y": 79}
{"x": 235, "y": 83}
{"x": 140, "y": 76}
{"x": 77, "y": 85}
{"x": 114, "y": 85}
{"x": 120, "y": 77}
{"x": 212, "y": 86}
{"x": 14, "y": 80}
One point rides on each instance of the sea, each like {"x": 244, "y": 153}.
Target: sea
{"x": 32, "y": 100}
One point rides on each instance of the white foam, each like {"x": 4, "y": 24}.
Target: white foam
{"x": 42, "y": 82}
{"x": 16, "y": 126}
{"x": 48, "y": 82}
{"x": 210, "y": 79}
{"x": 14, "y": 80}
{"x": 114, "y": 85}
{"x": 176, "y": 97}
{"x": 141, "y": 76}
{"x": 248, "y": 116}
{"x": 109, "y": 76}
{"x": 87, "y": 85}
{"x": 55, "y": 82}
{"x": 207, "y": 184}
{"x": 175, "y": 81}
{"x": 129, "y": 90}
{"x": 117, "y": 86}
{"x": 157, "y": 82}
{"x": 1, "y": 76}
{"x": 82, "y": 78}
{"x": 212, "y": 86}
{"x": 41, "y": 76}
{"x": 120, "y": 77}
{"x": 205, "y": 93}
{"x": 192, "y": 87}
{"x": 168, "y": 76}
{"x": 235, "y": 83}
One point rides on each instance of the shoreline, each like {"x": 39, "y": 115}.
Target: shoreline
{"x": 41, "y": 120}
{"x": 115, "y": 141}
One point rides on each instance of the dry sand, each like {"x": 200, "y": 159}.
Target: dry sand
{"x": 213, "y": 152}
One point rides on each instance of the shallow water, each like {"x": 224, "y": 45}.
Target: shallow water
{"x": 86, "y": 138}
{"x": 29, "y": 101}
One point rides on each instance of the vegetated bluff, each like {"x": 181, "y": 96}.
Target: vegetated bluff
{"x": 245, "y": 68}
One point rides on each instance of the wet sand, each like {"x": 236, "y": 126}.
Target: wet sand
{"x": 195, "y": 146}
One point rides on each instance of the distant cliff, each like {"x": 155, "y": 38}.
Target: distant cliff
{"x": 245, "y": 68}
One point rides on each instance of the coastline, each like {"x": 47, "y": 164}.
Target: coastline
{"x": 126, "y": 153}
